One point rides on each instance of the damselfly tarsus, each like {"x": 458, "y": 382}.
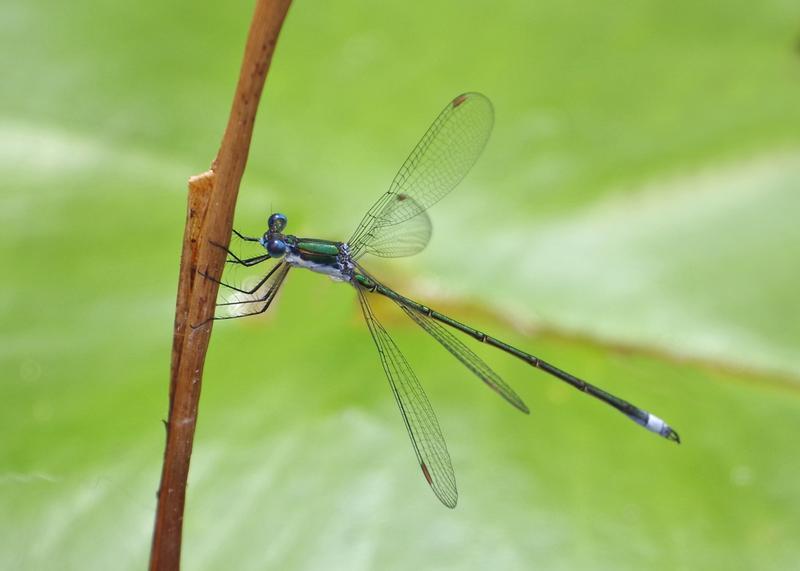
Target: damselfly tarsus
{"x": 398, "y": 225}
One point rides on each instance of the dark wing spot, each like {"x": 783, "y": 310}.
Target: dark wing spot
{"x": 401, "y": 197}
{"x": 459, "y": 100}
{"x": 426, "y": 473}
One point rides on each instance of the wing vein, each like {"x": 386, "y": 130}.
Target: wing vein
{"x": 467, "y": 357}
{"x": 396, "y": 224}
{"x": 418, "y": 416}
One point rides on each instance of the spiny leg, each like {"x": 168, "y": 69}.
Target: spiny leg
{"x": 247, "y": 262}
{"x": 248, "y": 292}
{"x": 243, "y": 237}
{"x": 237, "y": 260}
{"x": 246, "y": 301}
{"x": 269, "y": 297}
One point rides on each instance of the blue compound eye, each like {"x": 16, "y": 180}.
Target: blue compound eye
{"x": 276, "y": 222}
{"x": 276, "y": 248}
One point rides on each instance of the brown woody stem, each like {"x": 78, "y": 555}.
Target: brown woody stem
{"x": 211, "y": 204}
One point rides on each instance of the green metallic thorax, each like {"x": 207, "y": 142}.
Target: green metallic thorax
{"x": 317, "y": 251}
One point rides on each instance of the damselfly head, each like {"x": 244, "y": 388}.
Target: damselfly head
{"x": 273, "y": 239}
{"x": 276, "y": 222}
{"x": 276, "y": 247}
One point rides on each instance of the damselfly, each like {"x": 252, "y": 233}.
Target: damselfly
{"x": 398, "y": 225}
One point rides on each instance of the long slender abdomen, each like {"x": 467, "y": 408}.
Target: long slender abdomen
{"x": 641, "y": 417}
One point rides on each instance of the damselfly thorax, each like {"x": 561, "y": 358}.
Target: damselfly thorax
{"x": 321, "y": 256}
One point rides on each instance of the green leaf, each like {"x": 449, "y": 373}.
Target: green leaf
{"x": 633, "y": 221}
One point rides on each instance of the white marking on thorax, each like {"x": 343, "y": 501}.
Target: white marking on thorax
{"x": 335, "y": 273}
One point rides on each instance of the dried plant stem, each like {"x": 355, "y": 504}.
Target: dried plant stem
{"x": 212, "y": 199}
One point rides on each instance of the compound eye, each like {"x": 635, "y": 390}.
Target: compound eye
{"x": 276, "y": 248}
{"x": 276, "y": 222}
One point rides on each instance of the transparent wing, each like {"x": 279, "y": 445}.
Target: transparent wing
{"x": 420, "y": 420}
{"x": 437, "y": 164}
{"x": 466, "y": 356}
{"x": 404, "y": 239}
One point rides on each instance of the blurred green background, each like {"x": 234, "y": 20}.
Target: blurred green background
{"x": 634, "y": 220}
